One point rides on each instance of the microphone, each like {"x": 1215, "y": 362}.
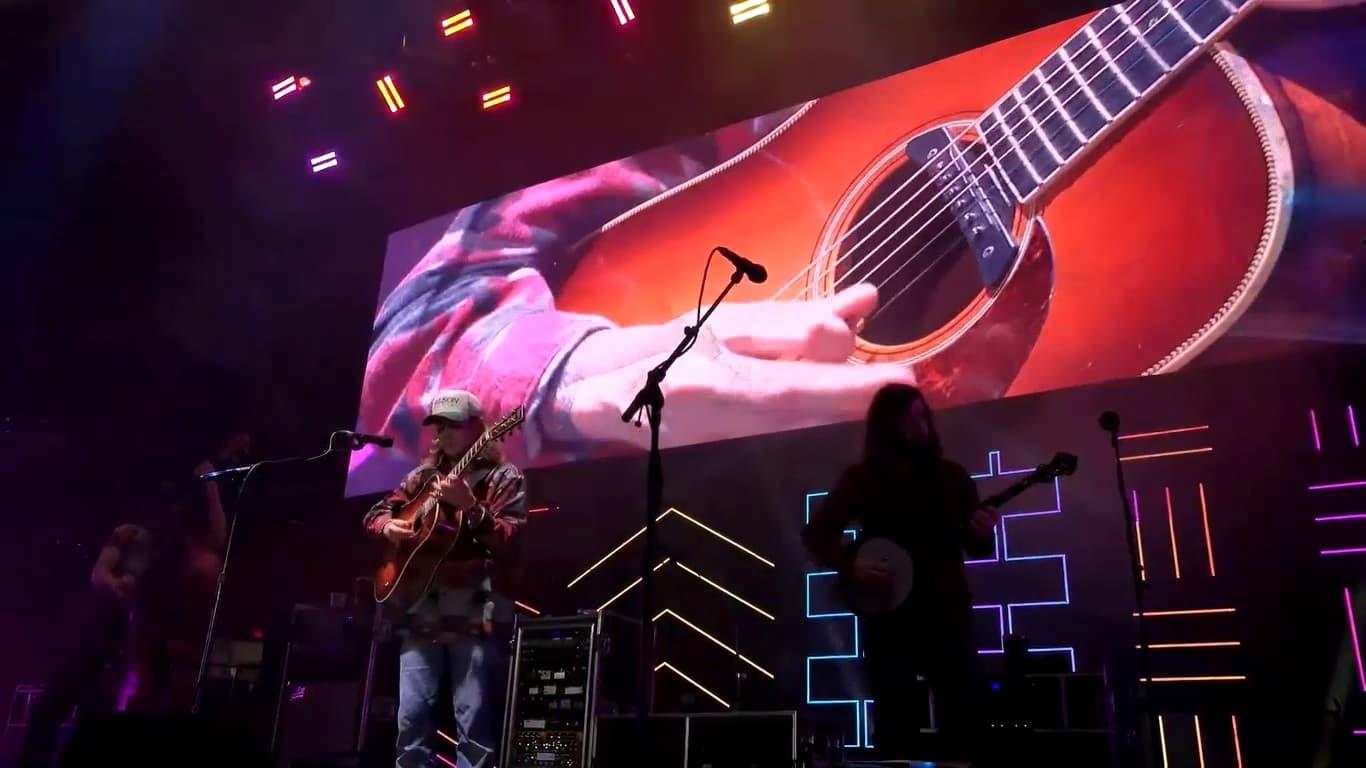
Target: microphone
{"x": 229, "y": 472}
{"x": 360, "y": 438}
{"x": 1109, "y": 421}
{"x": 755, "y": 272}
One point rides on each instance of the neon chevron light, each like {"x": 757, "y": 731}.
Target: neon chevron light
{"x": 694, "y": 683}
{"x": 704, "y": 633}
{"x": 722, "y": 537}
{"x": 631, "y": 586}
{"x": 1338, "y": 486}
{"x": 1352, "y": 425}
{"x": 1314, "y": 431}
{"x": 728, "y": 593}
{"x": 1356, "y": 641}
{"x": 1164, "y": 432}
{"x": 526, "y": 607}
{"x": 661, "y": 516}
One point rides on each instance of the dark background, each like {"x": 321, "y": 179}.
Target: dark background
{"x": 171, "y": 268}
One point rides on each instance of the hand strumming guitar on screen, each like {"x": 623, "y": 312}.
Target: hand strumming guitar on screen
{"x": 757, "y": 367}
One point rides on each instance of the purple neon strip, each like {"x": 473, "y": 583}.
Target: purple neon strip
{"x": 1339, "y": 518}
{"x": 1356, "y": 642}
{"x": 1352, "y": 422}
{"x": 1347, "y": 551}
{"x": 1314, "y": 429}
{"x": 1338, "y": 486}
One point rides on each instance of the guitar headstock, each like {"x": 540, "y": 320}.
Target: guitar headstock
{"x": 1061, "y": 465}
{"x": 509, "y": 422}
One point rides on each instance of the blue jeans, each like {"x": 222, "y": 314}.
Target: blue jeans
{"x": 476, "y": 673}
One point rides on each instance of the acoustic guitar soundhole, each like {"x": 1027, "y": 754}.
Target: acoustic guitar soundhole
{"x": 914, "y": 251}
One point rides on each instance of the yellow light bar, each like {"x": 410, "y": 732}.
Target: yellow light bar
{"x": 460, "y": 21}
{"x": 748, "y": 9}
{"x": 497, "y": 96}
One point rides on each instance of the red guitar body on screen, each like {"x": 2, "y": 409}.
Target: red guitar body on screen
{"x": 1136, "y": 255}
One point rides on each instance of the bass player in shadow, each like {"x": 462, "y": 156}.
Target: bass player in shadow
{"x": 905, "y": 491}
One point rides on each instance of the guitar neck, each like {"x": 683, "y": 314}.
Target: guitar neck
{"x": 1000, "y": 498}
{"x": 1093, "y": 82}
{"x": 468, "y": 458}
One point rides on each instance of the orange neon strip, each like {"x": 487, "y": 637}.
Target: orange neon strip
{"x": 1237, "y": 744}
{"x": 1205, "y": 644}
{"x": 1162, "y": 738}
{"x": 1143, "y": 456}
{"x": 526, "y": 607}
{"x": 1199, "y": 742}
{"x": 1195, "y": 679}
{"x": 1138, "y": 536}
{"x": 446, "y": 736}
{"x": 1162, "y": 432}
{"x": 1189, "y": 612}
{"x": 1171, "y": 526}
{"x": 1204, "y": 518}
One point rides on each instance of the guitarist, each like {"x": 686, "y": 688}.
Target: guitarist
{"x": 451, "y": 631}
{"x": 905, "y": 490}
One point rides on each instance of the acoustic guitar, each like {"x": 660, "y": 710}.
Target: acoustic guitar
{"x": 1097, "y": 199}
{"x": 407, "y": 569}
{"x": 897, "y": 560}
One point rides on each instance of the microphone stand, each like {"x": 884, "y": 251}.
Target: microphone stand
{"x": 651, "y": 399}
{"x": 245, "y": 472}
{"x": 1143, "y": 713}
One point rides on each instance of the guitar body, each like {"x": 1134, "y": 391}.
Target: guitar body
{"x": 406, "y": 571}
{"x": 1177, "y": 215}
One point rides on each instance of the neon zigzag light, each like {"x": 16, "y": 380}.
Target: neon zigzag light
{"x": 1005, "y": 613}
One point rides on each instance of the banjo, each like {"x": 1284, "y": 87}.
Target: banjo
{"x": 897, "y": 561}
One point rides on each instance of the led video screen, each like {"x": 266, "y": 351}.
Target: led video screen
{"x": 1130, "y": 193}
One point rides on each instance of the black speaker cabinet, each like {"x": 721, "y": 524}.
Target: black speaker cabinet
{"x": 709, "y": 740}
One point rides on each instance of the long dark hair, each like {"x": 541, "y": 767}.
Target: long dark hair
{"x": 493, "y": 452}
{"x": 883, "y": 439}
